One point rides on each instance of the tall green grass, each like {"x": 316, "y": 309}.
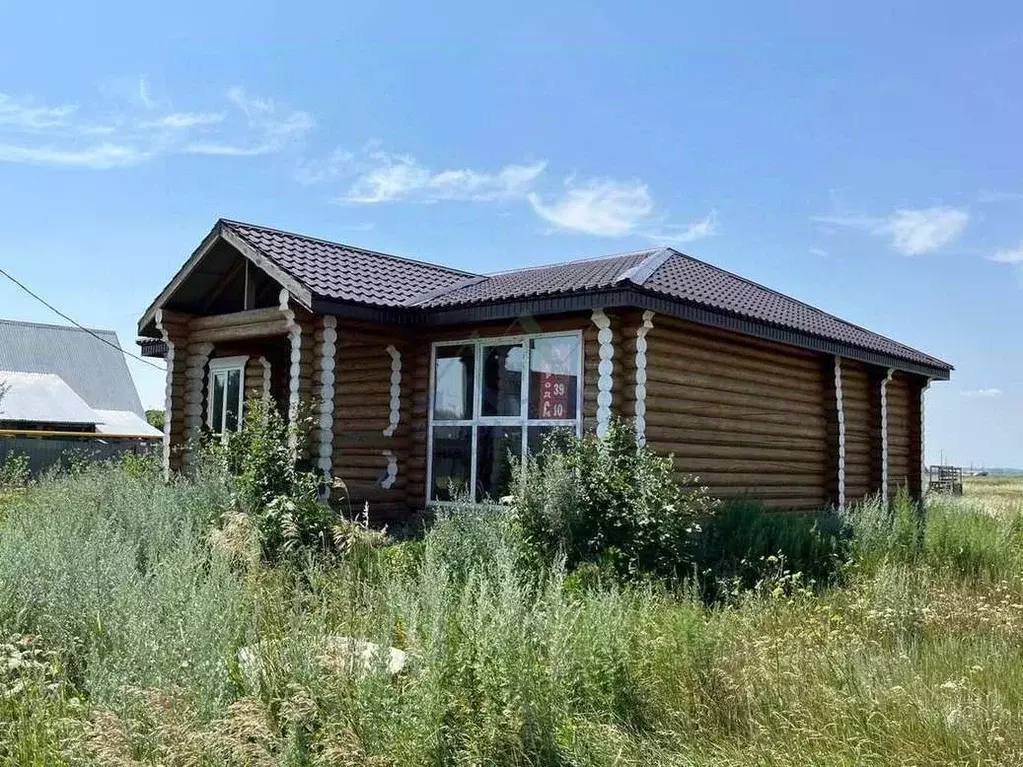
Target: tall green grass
{"x": 905, "y": 651}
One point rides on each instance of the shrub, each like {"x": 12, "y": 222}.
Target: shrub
{"x": 282, "y": 498}
{"x": 610, "y": 502}
{"x": 14, "y": 472}
{"x": 744, "y": 543}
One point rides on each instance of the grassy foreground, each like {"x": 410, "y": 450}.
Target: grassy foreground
{"x": 122, "y": 617}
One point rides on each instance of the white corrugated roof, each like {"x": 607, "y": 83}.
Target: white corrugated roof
{"x": 95, "y": 369}
{"x": 124, "y": 423}
{"x": 42, "y": 397}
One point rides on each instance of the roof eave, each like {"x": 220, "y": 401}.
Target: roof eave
{"x": 630, "y": 295}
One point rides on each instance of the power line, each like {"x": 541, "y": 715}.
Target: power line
{"x": 54, "y": 309}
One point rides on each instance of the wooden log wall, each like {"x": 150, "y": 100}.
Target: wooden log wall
{"x": 174, "y": 330}
{"x": 900, "y": 448}
{"x": 362, "y": 415}
{"x": 916, "y": 445}
{"x": 861, "y": 404}
{"x": 746, "y": 416}
{"x": 253, "y": 379}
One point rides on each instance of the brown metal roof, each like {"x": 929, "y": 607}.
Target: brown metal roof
{"x": 691, "y": 280}
{"x": 569, "y": 277}
{"x": 336, "y": 273}
{"x": 344, "y": 273}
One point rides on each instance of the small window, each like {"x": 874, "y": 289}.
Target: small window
{"x": 495, "y": 401}
{"x": 225, "y": 397}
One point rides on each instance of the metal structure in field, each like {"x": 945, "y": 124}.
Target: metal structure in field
{"x": 945, "y": 479}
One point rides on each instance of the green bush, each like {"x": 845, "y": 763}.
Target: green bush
{"x": 283, "y": 499}
{"x": 745, "y": 543}
{"x": 608, "y": 502}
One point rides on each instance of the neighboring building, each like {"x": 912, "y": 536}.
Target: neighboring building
{"x": 65, "y": 383}
{"x": 427, "y": 377}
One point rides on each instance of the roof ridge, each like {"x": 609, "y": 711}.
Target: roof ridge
{"x": 572, "y": 262}
{"x": 438, "y": 292}
{"x": 336, "y": 244}
{"x": 83, "y": 329}
{"x": 641, "y": 272}
{"x": 799, "y": 301}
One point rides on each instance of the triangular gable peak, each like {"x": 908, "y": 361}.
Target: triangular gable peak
{"x": 224, "y": 274}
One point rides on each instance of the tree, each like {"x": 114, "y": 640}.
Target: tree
{"x": 155, "y": 418}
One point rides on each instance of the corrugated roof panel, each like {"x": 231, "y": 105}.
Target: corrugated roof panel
{"x": 42, "y": 397}
{"x": 122, "y": 422}
{"x": 96, "y": 372}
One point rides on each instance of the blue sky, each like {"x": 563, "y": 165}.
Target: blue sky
{"x": 865, "y": 159}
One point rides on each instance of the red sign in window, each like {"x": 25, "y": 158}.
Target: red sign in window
{"x": 554, "y": 396}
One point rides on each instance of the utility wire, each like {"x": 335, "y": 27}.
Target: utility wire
{"x": 54, "y": 309}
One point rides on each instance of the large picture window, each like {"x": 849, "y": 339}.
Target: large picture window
{"x": 493, "y": 400}
{"x": 224, "y": 397}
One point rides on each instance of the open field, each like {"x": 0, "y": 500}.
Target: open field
{"x": 1002, "y": 494}
{"x": 124, "y": 618}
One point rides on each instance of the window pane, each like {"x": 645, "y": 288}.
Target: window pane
{"x": 217, "y": 405}
{"x": 234, "y": 386}
{"x": 499, "y": 448}
{"x": 452, "y": 456}
{"x": 453, "y": 379}
{"x": 537, "y": 436}
{"x": 502, "y": 380}
{"x": 554, "y": 378}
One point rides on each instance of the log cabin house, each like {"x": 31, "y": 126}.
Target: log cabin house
{"x": 424, "y": 379}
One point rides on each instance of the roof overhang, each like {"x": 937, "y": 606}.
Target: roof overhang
{"x": 635, "y": 297}
{"x": 221, "y": 233}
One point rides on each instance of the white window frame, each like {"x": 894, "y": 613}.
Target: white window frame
{"x": 224, "y": 365}
{"x": 477, "y": 420}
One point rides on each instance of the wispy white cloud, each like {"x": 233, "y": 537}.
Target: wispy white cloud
{"x": 603, "y": 207}
{"x": 982, "y": 393}
{"x": 597, "y": 206}
{"x": 609, "y": 208}
{"x": 379, "y": 177}
{"x": 186, "y": 120}
{"x": 683, "y": 233}
{"x": 819, "y": 252}
{"x": 98, "y": 157}
{"x": 144, "y": 95}
{"x": 912, "y": 232}
{"x": 915, "y": 232}
{"x": 1009, "y": 255}
{"x": 141, "y": 128}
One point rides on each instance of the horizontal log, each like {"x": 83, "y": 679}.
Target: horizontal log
{"x": 661, "y": 436}
{"x": 237, "y": 332}
{"x": 685, "y": 359}
{"x": 685, "y": 328}
{"x": 667, "y": 396}
{"x": 664, "y": 411}
{"x": 753, "y": 424}
{"x": 679, "y": 383}
{"x": 807, "y": 455}
{"x": 754, "y": 481}
{"x": 770, "y": 465}
{"x": 249, "y": 317}
{"x": 346, "y": 412}
{"x": 784, "y": 357}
